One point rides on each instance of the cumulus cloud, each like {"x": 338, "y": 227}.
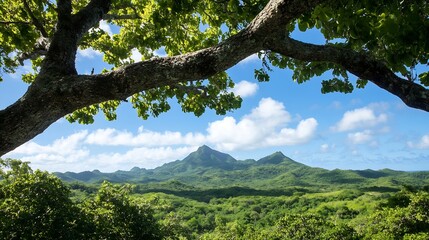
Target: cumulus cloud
{"x": 62, "y": 146}
{"x": 63, "y": 151}
{"x": 359, "y": 118}
{"x": 245, "y": 89}
{"x": 106, "y": 27}
{"x": 360, "y": 137}
{"x": 266, "y": 125}
{"x": 114, "y": 137}
{"x": 136, "y": 56}
{"x": 422, "y": 143}
{"x": 88, "y": 53}
{"x": 142, "y": 156}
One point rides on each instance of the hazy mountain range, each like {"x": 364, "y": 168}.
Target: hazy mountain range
{"x": 210, "y": 168}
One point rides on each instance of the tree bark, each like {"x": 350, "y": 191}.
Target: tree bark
{"x": 361, "y": 64}
{"x": 58, "y": 90}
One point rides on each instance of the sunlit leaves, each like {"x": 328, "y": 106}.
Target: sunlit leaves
{"x": 34, "y": 205}
{"x": 84, "y": 115}
{"x": 152, "y": 102}
{"x": 37, "y": 205}
{"x": 424, "y": 78}
{"x": 311, "y": 226}
{"x": 401, "y": 222}
{"x": 213, "y": 95}
{"x": 394, "y": 31}
{"x": 20, "y": 28}
{"x": 112, "y": 215}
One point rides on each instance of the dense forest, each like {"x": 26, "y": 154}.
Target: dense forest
{"x": 318, "y": 204}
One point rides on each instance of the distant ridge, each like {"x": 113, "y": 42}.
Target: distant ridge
{"x": 207, "y": 157}
{"x": 207, "y": 167}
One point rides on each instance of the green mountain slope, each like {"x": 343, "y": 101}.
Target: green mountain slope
{"x": 208, "y": 168}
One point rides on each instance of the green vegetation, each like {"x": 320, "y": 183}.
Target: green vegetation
{"x": 207, "y": 169}
{"x": 38, "y": 205}
{"x": 383, "y": 42}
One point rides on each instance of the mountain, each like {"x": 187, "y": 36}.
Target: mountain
{"x": 204, "y": 157}
{"x": 209, "y": 168}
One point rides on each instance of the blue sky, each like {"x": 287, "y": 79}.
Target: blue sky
{"x": 368, "y": 128}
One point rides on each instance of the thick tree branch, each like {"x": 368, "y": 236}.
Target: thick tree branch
{"x": 43, "y": 104}
{"x": 89, "y": 16}
{"x": 61, "y": 56}
{"x": 58, "y": 91}
{"x": 360, "y": 64}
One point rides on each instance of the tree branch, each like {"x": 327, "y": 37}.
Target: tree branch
{"x": 58, "y": 90}
{"x": 90, "y": 15}
{"x": 40, "y": 49}
{"x": 360, "y": 64}
{"x": 120, "y": 17}
{"x": 34, "y": 20}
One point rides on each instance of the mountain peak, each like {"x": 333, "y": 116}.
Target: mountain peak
{"x": 277, "y": 158}
{"x": 204, "y": 148}
{"x": 207, "y": 157}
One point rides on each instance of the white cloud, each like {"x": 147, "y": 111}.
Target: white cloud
{"x": 88, "y": 53}
{"x": 359, "y": 118}
{"x": 245, "y": 89}
{"x": 113, "y": 137}
{"x": 289, "y": 136}
{"x": 142, "y": 156}
{"x": 360, "y": 137}
{"x": 25, "y": 69}
{"x": 106, "y": 27}
{"x": 324, "y": 147}
{"x": 62, "y": 146}
{"x": 136, "y": 56}
{"x": 422, "y": 143}
{"x": 264, "y": 126}
{"x": 64, "y": 151}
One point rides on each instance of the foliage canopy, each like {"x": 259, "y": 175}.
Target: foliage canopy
{"x": 384, "y": 42}
{"x": 37, "y": 205}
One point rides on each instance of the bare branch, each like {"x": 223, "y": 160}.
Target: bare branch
{"x": 34, "y": 20}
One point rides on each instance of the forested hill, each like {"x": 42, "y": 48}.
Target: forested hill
{"x": 210, "y": 168}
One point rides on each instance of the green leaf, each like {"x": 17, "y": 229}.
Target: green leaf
{"x": 361, "y": 83}
{"x": 261, "y": 75}
{"x": 424, "y": 78}
{"x": 336, "y": 85}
